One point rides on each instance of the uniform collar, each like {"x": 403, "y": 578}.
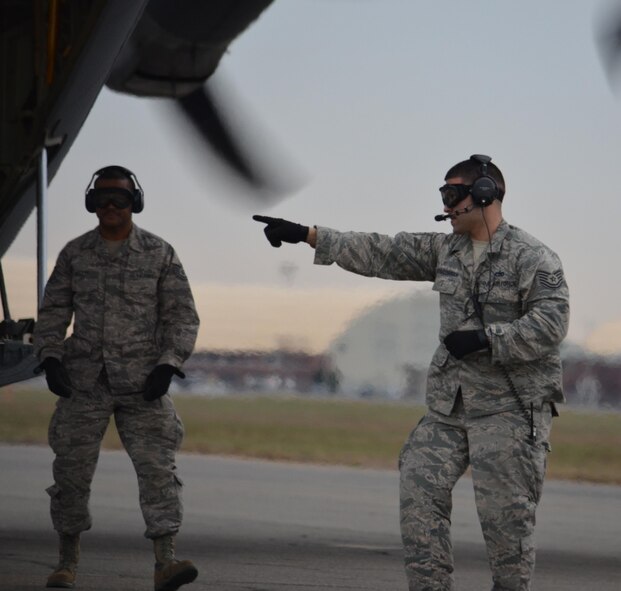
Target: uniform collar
{"x": 462, "y": 246}
{"x": 134, "y": 241}
{"x": 499, "y": 236}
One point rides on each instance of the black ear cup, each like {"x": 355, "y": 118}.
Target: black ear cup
{"x": 89, "y": 199}
{"x": 137, "y": 202}
{"x": 137, "y": 193}
{"x": 484, "y": 189}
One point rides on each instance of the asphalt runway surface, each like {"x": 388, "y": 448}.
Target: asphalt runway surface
{"x": 267, "y": 526}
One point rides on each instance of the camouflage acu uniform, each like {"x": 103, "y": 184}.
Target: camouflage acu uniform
{"x": 474, "y": 417}
{"x": 130, "y": 313}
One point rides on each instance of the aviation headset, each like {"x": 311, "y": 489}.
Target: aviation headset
{"x": 137, "y": 194}
{"x": 484, "y": 189}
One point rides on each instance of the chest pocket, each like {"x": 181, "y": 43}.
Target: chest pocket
{"x": 85, "y": 273}
{"x": 86, "y": 285}
{"x": 502, "y": 304}
{"x": 446, "y": 284}
{"x": 141, "y": 290}
{"x": 140, "y": 280}
{"x": 85, "y": 281}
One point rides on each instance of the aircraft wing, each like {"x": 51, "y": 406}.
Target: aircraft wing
{"x": 56, "y": 57}
{"x": 55, "y": 61}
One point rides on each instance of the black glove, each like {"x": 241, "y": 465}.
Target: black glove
{"x": 278, "y": 230}
{"x": 158, "y": 381}
{"x": 463, "y": 342}
{"x": 56, "y": 377}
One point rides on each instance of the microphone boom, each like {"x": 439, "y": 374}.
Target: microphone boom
{"x": 454, "y": 214}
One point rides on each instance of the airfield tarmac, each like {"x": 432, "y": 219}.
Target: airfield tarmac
{"x": 267, "y": 526}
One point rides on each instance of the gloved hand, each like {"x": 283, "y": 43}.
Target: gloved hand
{"x": 158, "y": 381}
{"x": 462, "y": 342}
{"x": 278, "y": 230}
{"x": 56, "y": 377}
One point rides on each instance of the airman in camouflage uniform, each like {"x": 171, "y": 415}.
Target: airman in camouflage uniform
{"x": 494, "y": 378}
{"x": 134, "y": 324}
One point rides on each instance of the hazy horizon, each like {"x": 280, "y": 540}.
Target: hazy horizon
{"x": 371, "y": 102}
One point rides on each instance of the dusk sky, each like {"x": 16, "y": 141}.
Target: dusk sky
{"x": 368, "y": 104}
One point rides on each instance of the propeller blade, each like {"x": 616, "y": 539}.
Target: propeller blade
{"x": 206, "y": 116}
{"x": 609, "y": 44}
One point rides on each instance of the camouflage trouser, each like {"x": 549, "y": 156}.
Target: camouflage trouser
{"x": 507, "y": 474}
{"x": 151, "y": 433}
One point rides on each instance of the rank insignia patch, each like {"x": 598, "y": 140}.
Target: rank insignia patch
{"x": 550, "y": 280}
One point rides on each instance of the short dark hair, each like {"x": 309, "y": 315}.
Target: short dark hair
{"x": 470, "y": 171}
{"x": 115, "y": 172}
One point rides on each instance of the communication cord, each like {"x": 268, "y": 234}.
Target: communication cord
{"x": 478, "y": 307}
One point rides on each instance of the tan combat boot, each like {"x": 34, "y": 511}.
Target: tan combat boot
{"x": 69, "y": 551}
{"x": 170, "y": 573}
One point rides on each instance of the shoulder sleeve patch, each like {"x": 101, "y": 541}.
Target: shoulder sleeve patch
{"x": 179, "y": 272}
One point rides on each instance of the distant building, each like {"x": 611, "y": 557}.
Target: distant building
{"x": 383, "y": 353}
{"x": 222, "y": 372}
{"x": 593, "y": 382}
{"x": 386, "y": 351}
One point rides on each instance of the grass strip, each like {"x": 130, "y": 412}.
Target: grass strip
{"x": 586, "y": 446}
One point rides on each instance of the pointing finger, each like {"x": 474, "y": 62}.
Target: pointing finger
{"x": 263, "y": 218}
